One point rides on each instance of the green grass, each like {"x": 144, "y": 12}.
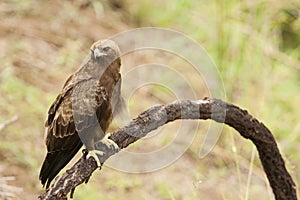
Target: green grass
{"x": 244, "y": 40}
{"x": 165, "y": 192}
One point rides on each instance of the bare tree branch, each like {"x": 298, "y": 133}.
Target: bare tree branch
{"x": 280, "y": 180}
{"x": 8, "y": 122}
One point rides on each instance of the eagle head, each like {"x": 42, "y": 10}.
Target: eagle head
{"x": 105, "y": 51}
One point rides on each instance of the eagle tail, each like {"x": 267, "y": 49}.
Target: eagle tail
{"x": 54, "y": 162}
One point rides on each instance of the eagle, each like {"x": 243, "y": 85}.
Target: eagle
{"x": 83, "y": 110}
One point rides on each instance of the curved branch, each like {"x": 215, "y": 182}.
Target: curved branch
{"x": 280, "y": 180}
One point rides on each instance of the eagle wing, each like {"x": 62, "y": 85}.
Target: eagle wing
{"x": 81, "y": 100}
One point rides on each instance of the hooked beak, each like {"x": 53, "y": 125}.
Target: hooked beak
{"x": 97, "y": 53}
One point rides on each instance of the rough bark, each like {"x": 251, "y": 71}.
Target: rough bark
{"x": 250, "y": 128}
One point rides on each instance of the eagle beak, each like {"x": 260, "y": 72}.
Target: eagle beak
{"x": 97, "y": 53}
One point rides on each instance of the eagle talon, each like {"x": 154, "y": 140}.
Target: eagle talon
{"x": 110, "y": 143}
{"x": 94, "y": 154}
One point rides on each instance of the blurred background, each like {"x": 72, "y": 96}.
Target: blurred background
{"x": 254, "y": 44}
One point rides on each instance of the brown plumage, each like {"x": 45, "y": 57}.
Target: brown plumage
{"x": 87, "y": 100}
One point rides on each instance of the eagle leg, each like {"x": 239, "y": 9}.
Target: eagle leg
{"x": 94, "y": 153}
{"x": 109, "y": 143}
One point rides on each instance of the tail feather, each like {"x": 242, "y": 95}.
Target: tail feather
{"x": 54, "y": 162}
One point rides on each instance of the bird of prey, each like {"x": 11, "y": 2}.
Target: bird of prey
{"x": 83, "y": 110}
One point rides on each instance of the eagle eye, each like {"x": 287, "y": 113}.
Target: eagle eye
{"x": 105, "y": 49}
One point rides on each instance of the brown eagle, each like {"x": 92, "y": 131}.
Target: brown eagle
{"x": 83, "y": 110}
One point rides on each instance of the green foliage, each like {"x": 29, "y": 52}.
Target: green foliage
{"x": 244, "y": 39}
{"x": 23, "y": 100}
{"x": 256, "y": 46}
{"x": 165, "y": 192}
{"x": 89, "y": 192}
